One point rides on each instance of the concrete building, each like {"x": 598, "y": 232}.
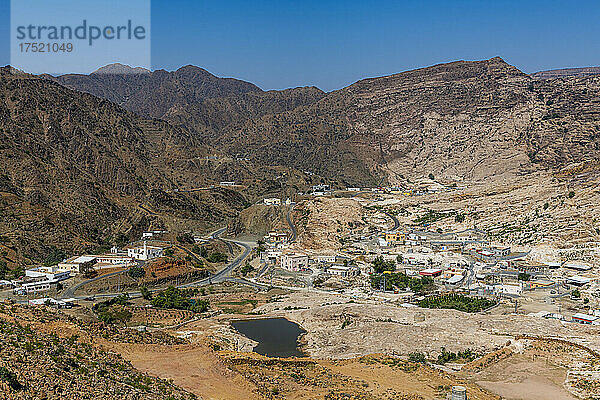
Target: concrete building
{"x": 578, "y": 266}
{"x": 511, "y": 290}
{"x": 585, "y": 319}
{"x": 294, "y": 261}
{"x": 47, "y": 273}
{"x": 145, "y": 252}
{"x": 113, "y": 259}
{"x": 432, "y": 272}
{"x": 276, "y": 238}
{"x": 395, "y": 237}
{"x": 77, "y": 265}
{"x": 578, "y": 280}
{"x": 325, "y": 258}
{"x": 36, "y": 287}
{"x": 272, "y": 201}
{"x": 341, "y": 270}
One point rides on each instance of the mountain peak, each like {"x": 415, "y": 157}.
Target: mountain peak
{"x": 120, "y": 69}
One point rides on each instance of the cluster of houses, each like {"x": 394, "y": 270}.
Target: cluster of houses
{"x": 278, "y": 253}
{"x": 45, "y": 278}
{"x": 276, "y": 201}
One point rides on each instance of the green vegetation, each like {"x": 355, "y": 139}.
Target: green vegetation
{"x": 380, "y": 265}
{"x": 113, "y": 310}
{"x": 459, "y": 218}
{"x": 546, "y": 205}
{"x": 180, "y": 299}
{"x": 136, "y": 272}
{"x": 246, "y": 269}
{"x": 169, "y": 252}
{"x": 432, "y": 216}
{"x": 10, "y": 378}
{"x": 3, "y": 269}
{"x": 576, "y": 293}
{"x": 217, "y": 257}
{"x": 402, "y": 281}
{"x": 146, "y": 294}
{"x": 417, "y": 357}
{"x": 466, "y": 355}
{"x": 431, "y": 177}
{"x": 185, "y": 238}
{"x": 54, "y": 257}
{"x": 457, "y": 302}
{"x": 524, "y": 276}
{"x": 571, "y": 194}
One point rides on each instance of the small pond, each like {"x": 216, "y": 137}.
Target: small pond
{"x": 276, "y": 337}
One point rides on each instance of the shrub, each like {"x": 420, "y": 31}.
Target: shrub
{"x": 571, "y": 194}
{"x": 457, "y": 302}
{"x": 217, "y": 257}
{"x": 136, "y": 272}
{"x": 179, "y": 299}
{"x": 380, "y": 265}
{"x": 10, "y": 378}
{"x": 417, "y": 357}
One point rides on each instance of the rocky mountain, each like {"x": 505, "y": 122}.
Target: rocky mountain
{"x": 80, "y": 172}
{"x": 566, "y": 72}
{"x": 465, "y": 120}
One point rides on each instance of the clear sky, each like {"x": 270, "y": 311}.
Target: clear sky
{"x": 330, "y": 44}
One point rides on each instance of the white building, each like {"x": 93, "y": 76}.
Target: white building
{"x": 342, "y": 270}
{"x": 325, "y": 258}
{"x": 36, "y": 287}
{"x": 113, "y": 259}
{"x": 513, "y": 290}
{"x": 294, "y": 261}
{"x": 145, "y": 252}
{"x": 272, "y": 201}
{"x": 77, "y": 264}
{"x": 48, "y": 273}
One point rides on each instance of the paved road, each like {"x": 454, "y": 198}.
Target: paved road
{"x": 393, "y": 217}
{"x": 288, "y": 217}
{"x": 223, "y": 274}
{"x": 70, "y": 292}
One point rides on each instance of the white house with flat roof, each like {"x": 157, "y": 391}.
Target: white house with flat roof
{"x": 272, "y": 201}
{"x": 48, "y": 273}
{"x": 145, "y": 252}
{"x": 77, "y": 264}
{"x": 293, "y": 261}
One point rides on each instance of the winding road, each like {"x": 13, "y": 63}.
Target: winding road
{"x": 393, "y": 217}
{"x": 288, "y": 217}
{"x": 218, "y": 277}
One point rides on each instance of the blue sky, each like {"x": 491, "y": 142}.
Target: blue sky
{"x": 330, "y": 44}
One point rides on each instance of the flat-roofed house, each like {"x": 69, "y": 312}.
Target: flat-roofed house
{"x": 145, "y": 252}
{"x": 585, "y": 319}
{"x": 294, "y": 261}
{"x": 77, "y": 265}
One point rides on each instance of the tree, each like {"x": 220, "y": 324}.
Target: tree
{"x": 399, "y": 259}
{"x": 146, "y": 294}
{"x": 431, "y": 177}
{"x": 54, "y": 257}
{"x": 459, "y": 218}
{"x": 523, "y": 276}
{"x": 122, "y": 315}
{"x": 3, "y": 269}
{"x": 576, "y": 293}
{"x": 380, "y": 265}
{"x": 217, "y": 257}
{"x": 136, "y": 272}
{"x": 246, "y": 269}
{"x": 571, "y": 194}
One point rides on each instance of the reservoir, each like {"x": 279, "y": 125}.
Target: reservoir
{"x": 276, "y": 337}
